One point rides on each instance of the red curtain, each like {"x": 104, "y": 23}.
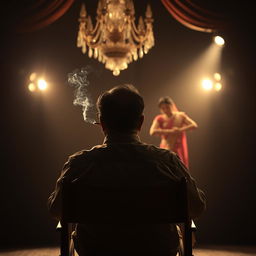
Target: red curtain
{"x": 195, "y": 16}
{"x": 38, "y": 14}
{"x": 42, "y": 13}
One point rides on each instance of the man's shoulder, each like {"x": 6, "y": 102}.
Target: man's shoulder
{"x": 159, "y": 152}
{"x": 103, "y": 151}
{"x": 86, "y": 153}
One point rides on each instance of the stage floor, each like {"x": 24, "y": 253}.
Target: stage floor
{"x": 206, "y": 251}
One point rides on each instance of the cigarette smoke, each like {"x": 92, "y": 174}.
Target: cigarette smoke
{"x": 78, "y": 79}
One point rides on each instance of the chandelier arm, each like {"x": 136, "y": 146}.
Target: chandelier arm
{"x": 143, "y": 39}
{"x": 99, "y": 42}
{"x": 148, "y": 34}
{"x": 95, "y": 39}
{"x": 135, "y": 28}
{"x": 148, "y": 27}
{"x": 135, "y": 43}
{"x": 96, "y": 27}
{"x": 137, "y": 39}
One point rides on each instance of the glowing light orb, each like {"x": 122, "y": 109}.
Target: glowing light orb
{"x": 32, "y": 87}
{"x": 219, "y": 40}
{"x": 218, "y": 86}
{"x": 32, "y": 76}
{"x": 217, "y": 76}
{"x": 207, "y": 84}
{"x": 42, "y": 84}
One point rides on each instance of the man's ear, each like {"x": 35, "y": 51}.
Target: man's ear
{"x": 103, "y": 125}
{"x": 141, "y": 120}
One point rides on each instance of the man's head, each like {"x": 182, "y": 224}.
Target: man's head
{"x": 121, "y": 109}
{"x": 165, "y": 105}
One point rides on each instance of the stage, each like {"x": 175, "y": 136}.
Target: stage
{"x": 204, "y": 251}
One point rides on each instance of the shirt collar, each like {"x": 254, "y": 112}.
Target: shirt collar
{"x": 121, "y": 138}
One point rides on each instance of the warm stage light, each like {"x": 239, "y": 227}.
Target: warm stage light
{"x": 218, "y": 86}
{"x": 207, "y": 84}
{"x": 32, "y": 76}
{"x": 42, "y": 84}
{"x": 217, "y": 76}
{"x": 32, "y": 87}
{"x": 219, "y": 40}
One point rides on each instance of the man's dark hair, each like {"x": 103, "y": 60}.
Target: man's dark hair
{"x": 121, "y": 108}
{"x": 165, "y": 100}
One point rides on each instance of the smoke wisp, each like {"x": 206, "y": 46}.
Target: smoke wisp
{"x": 78, "y": 79}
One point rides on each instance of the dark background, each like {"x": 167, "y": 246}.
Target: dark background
{"x": 40, "y": 130}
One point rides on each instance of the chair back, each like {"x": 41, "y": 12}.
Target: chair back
{"x": 166, "y": 203}
{"x": 155, "y": 204}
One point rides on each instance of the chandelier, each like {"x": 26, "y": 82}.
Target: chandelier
{"x": 115, "y": 40}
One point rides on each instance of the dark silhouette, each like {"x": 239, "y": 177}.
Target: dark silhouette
{"x": 123, "y": 160}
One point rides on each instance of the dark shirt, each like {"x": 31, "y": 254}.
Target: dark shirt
{"x": 120, "y": 161}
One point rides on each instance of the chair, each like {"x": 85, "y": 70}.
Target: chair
{"x": 124, "y": 205}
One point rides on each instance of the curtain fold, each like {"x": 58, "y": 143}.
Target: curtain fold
{"x": 41, "y": 14}
{"x": 195, "y": 17}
